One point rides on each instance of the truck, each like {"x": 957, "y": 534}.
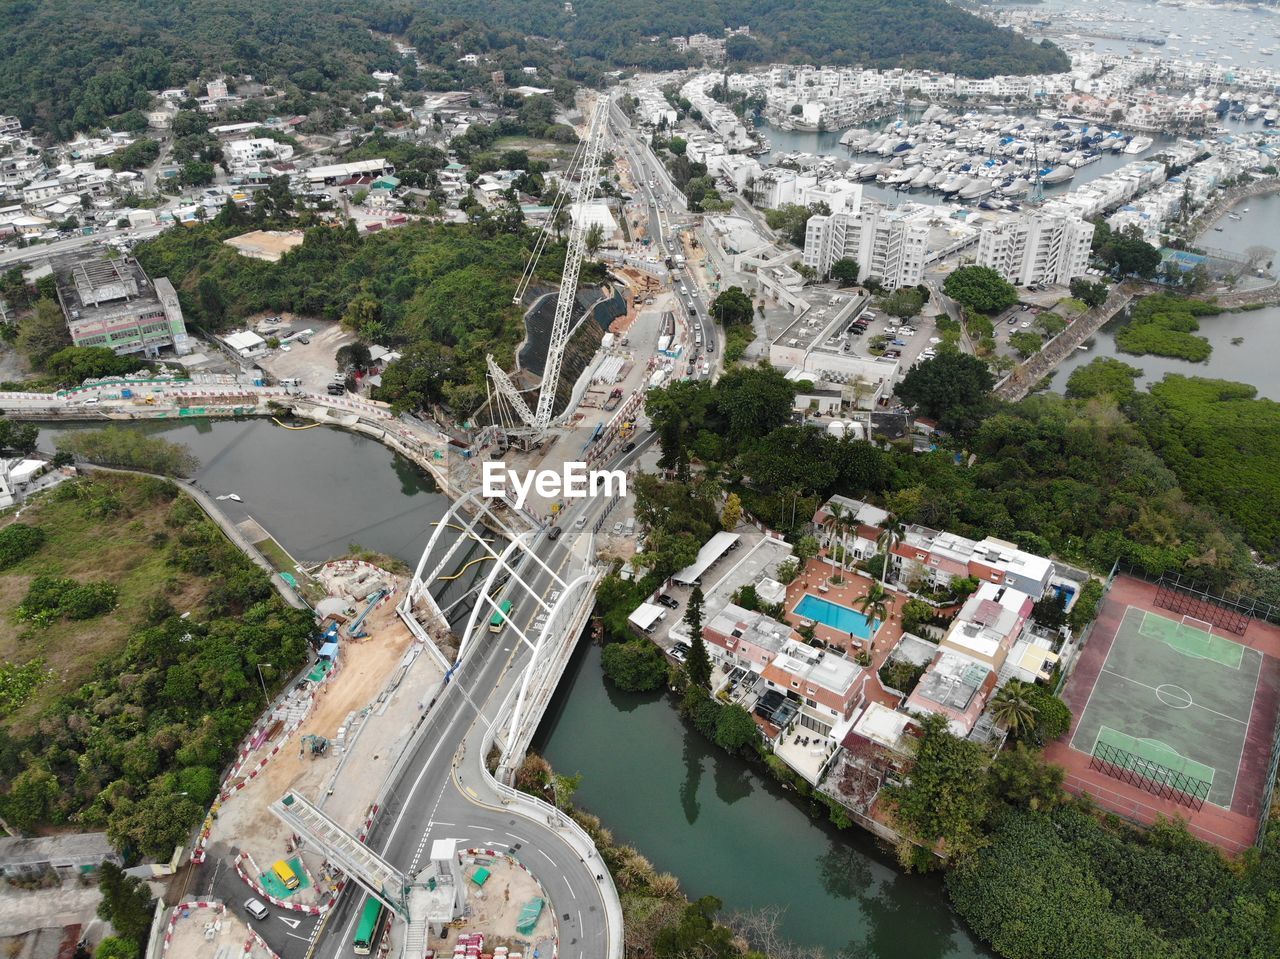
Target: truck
{"x": 679, "y": 261}
{"x": 614, "y": 399}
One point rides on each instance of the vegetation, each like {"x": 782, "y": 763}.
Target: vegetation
{"x": 1103, "y": 376}
{"x": 1220, "y": 441}
{"x": 952, "y": 388}
{"x": 845, "y": 271}
{"x": 440, "y": 293}
{"x": 792, "y": 220}
{"x": 1025, "y": 343}
{"x": 980, "y": 288}
{"x": 914, "y": 33}
{"x": 127, "y": 905}
{"x": 733, "y": 307}
{"x": 129, "y": 448}
{"x": 1125, "y": 252}
{"x": 634, "y": 666}
{"x": 1163, "y": 325}
{"x": 142, "y": 707}
{"x": 1088, "y": 292}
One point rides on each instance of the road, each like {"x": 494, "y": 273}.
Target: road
{"x": 444, "y": 793}
{"x": 43, "y": 251}
{"x": 659, "y": 194}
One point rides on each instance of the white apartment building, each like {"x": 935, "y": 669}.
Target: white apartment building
{"x": 890, "y": 245}
{"x": 246, "y": 155}
{"x": 1036, "y": 247}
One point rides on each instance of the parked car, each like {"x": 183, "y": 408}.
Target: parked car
{"x": 617, "y": 528}
{"x": 668, "y": 602}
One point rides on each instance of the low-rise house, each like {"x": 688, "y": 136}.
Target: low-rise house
{"x": 991, "y": 621}
{"x": 741, "y": 637}
{"x": 955, "y": 686}
{"x": 69, "y": 855}
{"x": 860, "y": 531}
{"x": 826, "y": 687}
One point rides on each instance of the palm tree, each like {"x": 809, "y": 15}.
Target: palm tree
{"x": 874, "y": 604}
{"x": 890, "y": 535}
{"x": 1012, "y": 709}
{"x": 835, "y": 523}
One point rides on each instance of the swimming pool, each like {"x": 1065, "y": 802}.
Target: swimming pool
{"x": 834, "y": 615}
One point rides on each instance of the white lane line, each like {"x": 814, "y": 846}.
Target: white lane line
{"x": 546, "y": 857}
{"x": 518, "y": 838}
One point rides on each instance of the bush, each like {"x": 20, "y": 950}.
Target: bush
{"x": 17, "y": 542}
{"x": 635, "y": 666}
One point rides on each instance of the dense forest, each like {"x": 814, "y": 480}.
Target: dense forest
{"x": 926, "y": 34}
{"x": 136, "y": 743}
{"x": 68, "y": 65}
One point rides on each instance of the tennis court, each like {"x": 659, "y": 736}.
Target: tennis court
{"x": 1175, "y": 697}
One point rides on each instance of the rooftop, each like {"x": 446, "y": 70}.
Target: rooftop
{"x": 952, "y": 681}
{"x": 818, "y": 667}
{"x": 711, "y": 551}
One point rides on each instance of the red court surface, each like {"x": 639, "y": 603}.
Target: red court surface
{"x": 1234, "y": 829}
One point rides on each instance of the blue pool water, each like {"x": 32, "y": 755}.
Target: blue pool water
{"x": 834, "y": 615}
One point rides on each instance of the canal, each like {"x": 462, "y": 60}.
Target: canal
{"x": 714, "y": 822}
{"x": 726, "y": 830}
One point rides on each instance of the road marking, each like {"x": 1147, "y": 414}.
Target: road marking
{"x": 303, "y": 938}
{"x": 485, "y": 828}
{"x": 472, "y": 793}
{"x": 518, "y": 838}
{"x": 291, "y": 923}
{"x": 546, "y": 857}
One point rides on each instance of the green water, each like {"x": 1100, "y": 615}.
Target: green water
{"x": 723, "y": 829}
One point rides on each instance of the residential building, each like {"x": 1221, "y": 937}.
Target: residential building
{"x": 991, "y": 621}
{"x": 113, "y": 303}
{"x": 862, "y": 521}
{"x": 217, "y": 89}
{"x": 955, "y": 686}
{"x": 826, "y": 687}
{"x": 891, "y": 245}
{"x": 246, "y": 155}
{"x": 931, "y": 558}
{"x": 1037, "y": 247}
{"x": 741, "y": 637}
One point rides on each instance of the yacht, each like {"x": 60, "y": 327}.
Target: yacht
{"x": 1059, "y": 174}
{"x": 1138, "y": 144}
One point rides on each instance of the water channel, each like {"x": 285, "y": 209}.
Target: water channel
{"x": 719, "y": 826}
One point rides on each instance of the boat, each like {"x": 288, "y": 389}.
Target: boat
{"x": 234, "y": 497}
{"x": 1059, "y": 174}
{"x": 922, "y": 178}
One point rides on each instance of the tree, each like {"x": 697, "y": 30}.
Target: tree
{"x": 114, "y": 947}
{"x": 732, "y": 307}
{"x": 845, "y": 271}
{"x": 196, "y": 173}
{"x": 891, "y": 530}
{"x": 952, "y": 388}
{"x": 121, "y": 446}
{"x": 594, "y": 238}
{"x": 1050, "y": 611}
{"x": 31, "y": 798}
{"x": 698, "y": 663}
{"x": 44, "y": 334}
{"x": 635, "y": 666}
{"x": 353, "y": 356}
{"x": 755, "y": 400}
{"x": 1126, "y": 252}
{"x": 1088, "y": 292}
{"x": 945, "y": 796}
{"x": 1020, "y": 776}
{"x": 1025, "y": 343}
{"x": 788, "y": 570}
{"x": 1052, "y": 715}
{"x": 1012, "y": 709}
{"x": 875, "y": 604}
{"x": 126, "y": 903}
{"x": 903, "y": 303}
{"x": 1104, "y": 375}
{"x": 731, "y": 515}
{"x": 735, "y": 729}
{"x": 980, "y": 288}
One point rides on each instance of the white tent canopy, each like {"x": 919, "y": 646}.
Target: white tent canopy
{"x": 711, "y": 551}
{"x": 645, "y": 615}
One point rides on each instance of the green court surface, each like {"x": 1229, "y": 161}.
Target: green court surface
{"x": 272, "y": 884}
{"x": 1175, "y": 697}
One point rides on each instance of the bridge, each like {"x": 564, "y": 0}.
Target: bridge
{"x": 451, "y": 787}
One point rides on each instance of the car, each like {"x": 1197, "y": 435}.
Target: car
{"x": 304, "y": 340}
{"x": 711, "y": 347}
{"x": 1025, "y": 324}
{"x": 679, "y": 655}
{"x": 554, "y": 532}
{"x": 688, "y": 371}
{"x": 629, "y": 447}
{"x": 555, "y": 594}
{"x": 255, "y": 908}
{"x": 285, "y": 347}
{"x": 668, "y": 602}
{"x": 1013, "y": 321}
{"x": 580, "y": 522}
{"x": 617, "y": 529}
{"x": 684, "y": 289}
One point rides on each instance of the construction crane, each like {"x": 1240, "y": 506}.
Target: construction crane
{"x": 587, "y": 163}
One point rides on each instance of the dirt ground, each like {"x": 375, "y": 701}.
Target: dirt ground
{"x": 494, "y": 908}
{"x": 243, "y": 820}
{"x": 267, "y": 245}
{"x": 313, "y": 362}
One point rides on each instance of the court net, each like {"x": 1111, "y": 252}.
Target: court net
{"x": 1150, "y": 776}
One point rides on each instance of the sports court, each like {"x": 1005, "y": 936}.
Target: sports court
{"x": 1173, "y": 702}
{"x": 1175, "y": 698}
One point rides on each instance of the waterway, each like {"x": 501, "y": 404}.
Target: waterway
{"x": 726, "y": 830}
{"x": 716, "y": 823}
{"x": 316, "y": 491}
{"x": 1252, "y": 360}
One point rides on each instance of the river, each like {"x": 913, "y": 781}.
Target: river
{"x": 725, "y": 830}
{"x": 718, "y": 825}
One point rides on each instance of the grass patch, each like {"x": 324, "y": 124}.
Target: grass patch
{"x": 108, "y": 528}
{"x": 736, "y": 341}
{"x": 276, "y": 555}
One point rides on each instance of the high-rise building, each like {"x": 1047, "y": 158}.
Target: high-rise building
{"x": 888, "y": 245}
{"x": 1039, "y": 247}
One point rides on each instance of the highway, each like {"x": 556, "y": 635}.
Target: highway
{"x": 659, "y": 194}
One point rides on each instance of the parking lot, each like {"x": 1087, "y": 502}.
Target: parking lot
{"x": 313, "y": 363}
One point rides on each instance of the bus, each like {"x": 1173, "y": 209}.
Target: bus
{"x": 373, "y": 919}
{"x": 499, "y": 619}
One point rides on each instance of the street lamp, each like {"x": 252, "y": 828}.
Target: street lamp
{"x": 265, "y": 697}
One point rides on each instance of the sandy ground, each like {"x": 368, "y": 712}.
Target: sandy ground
{"x": 494, "y": 908}
{"x": 345, "y": 781}
{"x": 267, "y": 245}
{"x": 202, "y": 933}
